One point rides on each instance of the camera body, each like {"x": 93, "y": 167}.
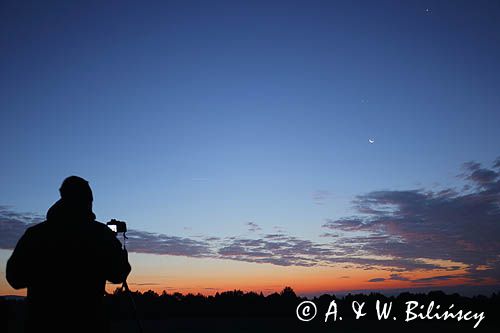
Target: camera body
{"x": 117, "y": 226}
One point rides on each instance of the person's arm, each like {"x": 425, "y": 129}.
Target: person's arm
{"x": 119, "y": 267}
{"x": 19, "y": 262}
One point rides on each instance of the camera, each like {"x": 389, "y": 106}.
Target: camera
{"x": 117, "y": 226}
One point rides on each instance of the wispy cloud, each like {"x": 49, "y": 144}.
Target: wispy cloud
{"x": 253, "y": 227}
{"x": 320, "y": 196}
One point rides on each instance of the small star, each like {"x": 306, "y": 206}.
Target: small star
{"x": 428, "y": 10}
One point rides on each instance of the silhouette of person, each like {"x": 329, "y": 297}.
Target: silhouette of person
{"x": 65, "y": 262}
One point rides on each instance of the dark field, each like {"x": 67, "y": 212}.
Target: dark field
{"x": 236, "y": 311}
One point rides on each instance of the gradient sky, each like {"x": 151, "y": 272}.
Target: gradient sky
{"x": 244, "y": 119}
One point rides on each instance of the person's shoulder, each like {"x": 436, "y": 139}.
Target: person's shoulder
{"x": 38, "y": 227}
{"x": 99, "y": 225}
{"x": 102, "y": 228}
{"x": 36, "y": 231}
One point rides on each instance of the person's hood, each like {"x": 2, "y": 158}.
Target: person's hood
{"x": 63, "y": 211}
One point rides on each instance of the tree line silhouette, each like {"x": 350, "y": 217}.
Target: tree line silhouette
{"x": 277, "y": 311}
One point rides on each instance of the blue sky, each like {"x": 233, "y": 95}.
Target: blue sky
{"x": 196, "y": 117}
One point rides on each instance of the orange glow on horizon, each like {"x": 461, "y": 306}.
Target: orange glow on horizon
{"x": 208, "y": 276}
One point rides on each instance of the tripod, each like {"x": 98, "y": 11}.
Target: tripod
{"x": 127, "y": 290}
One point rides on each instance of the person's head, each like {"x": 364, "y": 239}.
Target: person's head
{"x": 76, "y": 191}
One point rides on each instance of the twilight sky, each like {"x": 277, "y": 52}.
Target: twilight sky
{"x": 232, "y": 136}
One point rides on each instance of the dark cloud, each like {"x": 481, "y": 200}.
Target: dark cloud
{"x": 211, "y": 239}
{"x": 329, "y": 234}
{"x": 147, "y": 242}
{"x": 496, "y": 164}
{"x": 377, "y": 280}
{"x": 397, "y": 277}
{"x": 13, "y": 225}
{"x": 285, "y": 250}
{"x": 436, "y": 278}
{"x": 444, "y": 225}
{"x": 471, "y": 166}
{"x": 276, "y": 236}
{"x": 483, "y": 176}
{"x": 277, "y": 249}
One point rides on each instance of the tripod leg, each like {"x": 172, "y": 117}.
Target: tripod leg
{"x": 139, "y": 324}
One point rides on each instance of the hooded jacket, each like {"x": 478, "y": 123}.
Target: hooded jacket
{"x": 65, "y": 262}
